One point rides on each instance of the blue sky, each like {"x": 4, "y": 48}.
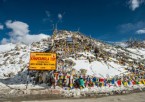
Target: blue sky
{"x": 108, "y": 20}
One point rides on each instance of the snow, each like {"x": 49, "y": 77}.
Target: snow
{"x": 111, "y": 51}
{"x": 87, "y": 54}
{"x": 6, "y": 67}
{"x": 137, "y": 51}
{"x": 122, "y": 44}
{"x": 105, "y": 89}
{"x": 7, "y": 47}
{"x": 99, "y": 69}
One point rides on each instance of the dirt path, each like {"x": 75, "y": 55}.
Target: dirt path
{"x": 135, "y": 97}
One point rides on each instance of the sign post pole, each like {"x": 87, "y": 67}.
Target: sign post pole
{"x": 27, "y": 79}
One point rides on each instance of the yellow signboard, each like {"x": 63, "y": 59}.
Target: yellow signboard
{"x": 42, "y": 61}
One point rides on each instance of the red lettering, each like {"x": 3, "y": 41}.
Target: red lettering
{"x": 39, "y": 58}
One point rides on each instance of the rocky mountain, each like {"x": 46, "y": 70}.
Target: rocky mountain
{"x": 76, "y": 53}
{"x": 131, "y": 43}
{"x": 135, "y": 44}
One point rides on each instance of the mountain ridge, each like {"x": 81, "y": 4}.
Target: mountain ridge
{"x": 75, "y": 52}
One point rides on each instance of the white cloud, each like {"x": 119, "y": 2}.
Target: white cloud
{"x": 134, "y": 4}
{"x": 28, "y": 39}
{"x": 141, "y": 31}
{"x": 20, "y": 33}
{"x": 18, "y": 28}
{"x": 1, "y": 27}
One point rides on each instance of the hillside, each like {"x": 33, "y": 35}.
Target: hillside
{"x": 76, "y": 53}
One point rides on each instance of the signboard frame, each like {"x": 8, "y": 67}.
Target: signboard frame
{"x": 46, "y": 69}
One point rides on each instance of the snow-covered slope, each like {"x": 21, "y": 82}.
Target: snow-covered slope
{"x": 7, "y": 47}
{"x": 99, "y": 69}
{"x": 15, "y": 60}
{"x": 107, "y": 62}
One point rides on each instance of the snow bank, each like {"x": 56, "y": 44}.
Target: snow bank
{"x": 7, "y": 47}
{"x": 138, "y": 51}
{"x": 99, "y": 69}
